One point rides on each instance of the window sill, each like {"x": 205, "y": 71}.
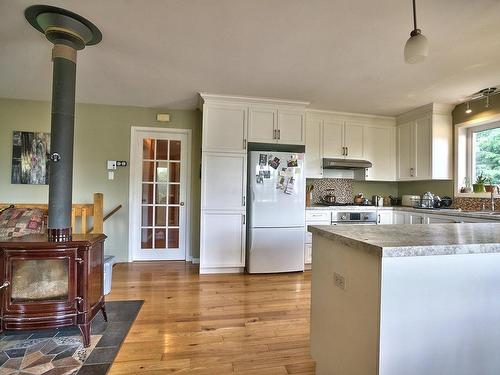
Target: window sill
{"x": 475, "y": 195}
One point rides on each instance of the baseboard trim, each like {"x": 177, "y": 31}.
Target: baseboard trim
{"x": 207, "y": 270}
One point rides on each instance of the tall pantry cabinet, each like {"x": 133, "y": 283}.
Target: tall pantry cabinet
{"x": 229, "y": 123}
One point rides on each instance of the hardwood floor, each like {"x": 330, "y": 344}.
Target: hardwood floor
{"x": 213, "y": 324}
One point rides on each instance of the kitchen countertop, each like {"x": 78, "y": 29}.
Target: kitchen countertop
{"x": 416, "y": 240}
{"x": 436, "y": 211}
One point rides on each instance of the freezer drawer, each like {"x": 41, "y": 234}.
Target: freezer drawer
{"x": 272, "y": 250}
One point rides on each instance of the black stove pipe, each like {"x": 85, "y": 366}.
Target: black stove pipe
{"x": 61, "y": 144}
{"x": 68, "y": 32}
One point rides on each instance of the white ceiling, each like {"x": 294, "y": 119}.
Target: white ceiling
{"x": 337, "y": 54}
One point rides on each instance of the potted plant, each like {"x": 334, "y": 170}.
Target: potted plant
{"x": 478, "y": 187}
{"x": 490, "y": 187}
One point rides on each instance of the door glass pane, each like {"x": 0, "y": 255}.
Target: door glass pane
{"x": 161, "y": 193}
{"x": 39, "y": 280}
{"x": 173, "y": 216}
{"x": 148, "y": 149}
{"x": 173, "y": 194}
{"x": 161, "y": 150}
{"x": 175, "y": 150}
{"x": 147, "y": 193}
{"x": 161, "y": 216}
{"x": 162, "y": 172}
{"x": 148, "y": 170}
{"x": 173, "y": 238}
{"x": 175, "y": 172}
{"x": 160, "y": 239}
{"x": 147, "y": 216}
{"x": 146, "y": 238}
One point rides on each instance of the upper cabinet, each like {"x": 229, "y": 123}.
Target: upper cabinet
{"x": 424, "y": 144}
{"x": 276, "y": 125}
{"x": 351, "y": 136}
{"x": 224, "y": 127}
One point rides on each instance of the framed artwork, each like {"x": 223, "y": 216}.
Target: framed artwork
{"x": 30, "y": 158}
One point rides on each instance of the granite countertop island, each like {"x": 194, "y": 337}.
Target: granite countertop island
{"x": 417, "y": 240}
{"x": 406, "y": 299}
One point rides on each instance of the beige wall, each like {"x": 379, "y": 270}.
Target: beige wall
{"x": 478, "y": 110}
{"x": 102, "y": 133}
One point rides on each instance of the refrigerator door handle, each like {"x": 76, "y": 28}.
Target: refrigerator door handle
{"x": 243, "y": 219}
{"x": 244, "y": 201}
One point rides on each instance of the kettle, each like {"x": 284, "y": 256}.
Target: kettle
{"x": 329, "y": 198}
{"x": 377, "y": 200}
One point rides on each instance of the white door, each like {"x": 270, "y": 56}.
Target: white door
{"x": 291, "y": 127}
{"x": 353, "y": 140}
{"x": 379, "y": 149}
{"x": 262, "y": 125}
{"x": 313, "y": 157}
{"x": 405, "y": 168}
{"x": 223, "y": 181}
{"x": 333, "y": 139}
{"x": 158, "y": 184}
{"x": 423, "y": 137}
{"x": 222, "y": 239}
{"x": 224, "y": 128}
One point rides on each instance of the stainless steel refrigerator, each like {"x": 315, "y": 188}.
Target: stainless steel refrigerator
{"x": 275, "y": 238}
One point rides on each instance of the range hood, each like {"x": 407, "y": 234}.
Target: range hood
{"x": 345, "y": 164}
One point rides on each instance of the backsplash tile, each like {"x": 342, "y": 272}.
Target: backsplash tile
{"x": 343, "y": 189}
{"x": 474, "y": 204}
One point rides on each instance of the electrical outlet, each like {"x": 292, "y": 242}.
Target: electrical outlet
{"x": 339, "y": 280}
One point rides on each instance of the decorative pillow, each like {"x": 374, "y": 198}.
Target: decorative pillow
{"x": 17, "y": 222}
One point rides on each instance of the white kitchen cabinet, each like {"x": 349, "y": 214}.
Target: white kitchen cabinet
{"x": 263, "y": 122}
{"x": 224, "y": 128}
{"x": 333, "y": 138}
{"x": 354, "y": 140}
{"x": 291, "y": 127}
{"x": 379, "y": 146}
{"x": 223, "y": 177}
{"x": 222, "y": 241}
{"x": 424, "y": 143}
{"x": 349, "y": 136}
{"x": 313, "y": 158}
{"x": 416, "y": 218}
{"x": 400, "y": 218}
{"x": 384, "y": 217}
{"x": 276, "y": 125}
{"x": 314, "y": 217}
{"x": 437, "y": 219}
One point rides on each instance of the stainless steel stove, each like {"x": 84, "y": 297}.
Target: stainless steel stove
{"x": 354, "y": 217}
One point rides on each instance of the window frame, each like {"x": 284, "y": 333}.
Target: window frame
{"x": 463, "y": 151}
{"x": 471, "y": 162}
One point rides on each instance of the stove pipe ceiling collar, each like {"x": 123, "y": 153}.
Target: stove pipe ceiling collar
{"x": 68, "y": 32}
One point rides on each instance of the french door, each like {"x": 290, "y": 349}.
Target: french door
{"x": 158, "y": 182}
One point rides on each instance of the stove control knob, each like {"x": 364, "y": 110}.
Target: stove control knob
{"x": 343, "y": 217}
{"x": 365, "y": 217}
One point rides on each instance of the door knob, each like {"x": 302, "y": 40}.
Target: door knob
{"x": 182, "y": 203}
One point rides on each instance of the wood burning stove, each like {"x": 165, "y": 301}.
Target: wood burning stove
{"x": 52, "y": 284}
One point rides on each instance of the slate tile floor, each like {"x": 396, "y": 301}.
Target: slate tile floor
{"x": 60, "y": 351}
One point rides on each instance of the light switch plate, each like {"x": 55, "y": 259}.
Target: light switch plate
{"x": 111, "y": 164}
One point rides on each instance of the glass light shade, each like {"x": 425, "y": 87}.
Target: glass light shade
{"x": 416, "y": 49}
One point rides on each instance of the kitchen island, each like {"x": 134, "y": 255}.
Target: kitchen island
{"x": 401, "y": 299}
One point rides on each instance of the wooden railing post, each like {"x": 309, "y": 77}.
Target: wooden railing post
{"x": 98, "y": 213}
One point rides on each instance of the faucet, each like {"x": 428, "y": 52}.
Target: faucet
{"x": 495, "y": 187}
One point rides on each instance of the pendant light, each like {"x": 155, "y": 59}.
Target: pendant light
{"x": 417, "y": 47}
{"x": 468, "y": 110}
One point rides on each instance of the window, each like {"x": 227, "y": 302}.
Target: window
{"x": 484, "y": 153}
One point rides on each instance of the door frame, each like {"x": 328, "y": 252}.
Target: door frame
{"x": 133, "y": 222}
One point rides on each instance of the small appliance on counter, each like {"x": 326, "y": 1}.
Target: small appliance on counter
{"x": 408, "y": 200}
{"x": 377, "y": 201}
{"x": 329, "y": 197}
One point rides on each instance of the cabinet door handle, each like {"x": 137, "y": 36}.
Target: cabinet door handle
{"x": 245, "y": 144}
{"x": 279, "y": 133}
{"x": 379, "y": 218}
{"x": 243, "y": 219}
{"x": 4, "y": 285}
{"x": 346, "y": 151}
{"x": 411, "y": 172}
{"x": 244, "y": 201}
{"x": 343, "y": 151}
